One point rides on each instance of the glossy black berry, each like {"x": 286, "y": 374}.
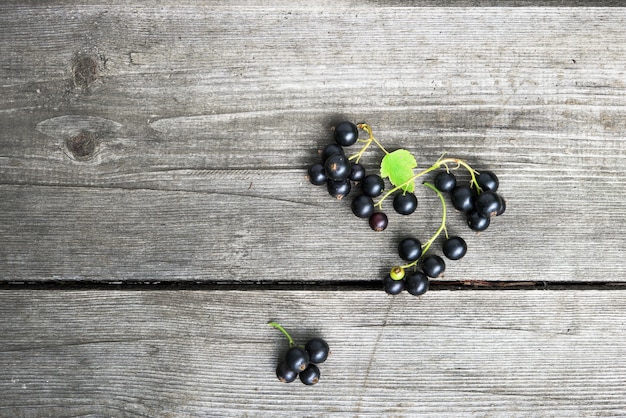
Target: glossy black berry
{"x": 331, "y": 149}
{"x": 463, "y": 198}
{"x": 337, "y": 167}
{"x": 488, "y": 203}
{"x": 317, "y": 174}
{"x": 284, "y": 373}
{"x": 362, "y": 206}
{"x": 296, "y": 359}
{"x": 318, "y": 350}
{"x": 393, "y": 287}
{"x": 410, "y": 249}
{"x": 477, "y": 222}
{"x": 416, "y": 283}
{"x": 454, "y": 248}
{"x": 488, "y": 181}
{"x": 378, "y": 221}
{"x": 405, "y": 203}
{"x": 339, "y": 189}
{"x": 433, "y": 265}
{"x": 372, "y": 185}
{"x": 445, "y": 182}
{"x": 346, "y": 134}
{"x": 502, "y": 206}
{"x": 357, "y": 173}
{"x": 310, "y": 375}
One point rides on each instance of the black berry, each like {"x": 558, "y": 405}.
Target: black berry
{"x": 318, "y": 350}
{"x": 317, "y": 174}
{"x": 357, "y": 173}
{"x": 405, "y": 203}
{"x": 393, "y": 287}
{"x": 363, "y": 206}
{"x": 410, "y": 249}
{"x": 372, "y": 185}
{"x": 339, "y": 189}
{"x": 310, "y": 375}
{"x": 454, "y": 248}
{"x": 416, "y": 283}
{"x": 378, "y": 221}
{"x": 477, "y": 222}
{"x": 284, "y": 373}
{"x": 463, "y": 198}
{"x": 445, "y": 182}
{"x": 297, "y": 359}
{"x": 488, "y": 203}
{"x": 331, "y": 149}
{"x": 337, "y": 167}
{"x": 488, "y": 181}
{"x": 346, "y": 134}
{"x": 433, "y": 265}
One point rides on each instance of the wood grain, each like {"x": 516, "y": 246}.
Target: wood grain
{"x": 181, "y": 353}
{"x": 164, "y": 143}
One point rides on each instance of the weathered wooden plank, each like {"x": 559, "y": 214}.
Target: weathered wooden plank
{"x": 213, "y": 114}
{"x": 195, "y": 353}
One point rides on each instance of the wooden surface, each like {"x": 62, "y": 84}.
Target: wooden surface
{"x": 166, "y": 144}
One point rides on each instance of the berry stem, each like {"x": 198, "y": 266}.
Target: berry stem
{"x": 442, "y": 227}
{"x": 441, "y": 162}
{"x": 357, "y": 157}
{"x": 281, "y": 329}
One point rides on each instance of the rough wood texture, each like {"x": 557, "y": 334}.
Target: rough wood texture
{"x": 170, "y": 143}
{"x": 483, "y": 353}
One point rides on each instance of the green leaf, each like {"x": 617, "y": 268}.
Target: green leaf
{"x": 398, "y": 166}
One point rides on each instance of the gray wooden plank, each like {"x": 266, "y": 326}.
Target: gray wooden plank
{"x": 196, "y": 353}
{"x": 213, "y": 114}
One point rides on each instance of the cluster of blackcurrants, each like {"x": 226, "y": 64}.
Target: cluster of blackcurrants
{"x": 479, "y": 208}
{"x": 302, "y": 362}
{"x": 338, "y": 173}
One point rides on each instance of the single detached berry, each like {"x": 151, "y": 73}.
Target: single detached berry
{"x": 463, "y": 198}
{"x": 337, "y": 167}
{"x": 372, "y": 185}
{"x": 310, "y": 375}
{"x": 357, "y": 173}
{"x": 410, "y": 249}
{"x": 339, "y": 189}
{"x": 488, "y": 181}
{"x": 416, "y": 283}
{"x": 378, "y": 221}
{"x": 346, "y": 134}
{"x": 433, "y": 265}
{"x": 477, "y": 222}
{"x": 318, "y": 350}
{"x": 445, "y": 182}
{"x": 454, "y": 248}
{"x": 284, "y": 373}
{"x": 331, "y": 149}
{"x": 317, "y": 174}
{"x": 393, "y": 287}
{"x": 362, "y": 206}
{"x": 405, "y": 203}
{"x": 488, "y": 203}
{"x": 297, "y": 359}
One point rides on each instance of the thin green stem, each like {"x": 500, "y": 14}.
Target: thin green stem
{"x": 442, "y": 227}
{"x": 357, "y": 157}
{"x": 281, "y": 329}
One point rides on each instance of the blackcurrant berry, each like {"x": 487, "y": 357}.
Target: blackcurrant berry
{"x": 297, "y": 359}
{"x": 317, "y": 174}
{"x": 310, "y": 375}
{"x": 477, "y": 222}
{"x": 318, "y": 350}
{"x": 410, "y": 249}
{"x": 405, "y": 203}
{"x": 416, "y": 283}
{"x": 363, "y": 206}
{"x": 357, "y": 173}
{"x": 397, "y": 273}
{"x": 488, "y": 181}
{"x": 502, "y": 206}
{"x": 454, "y": 248}
{"x": 337, "y": 167}
{"x": 339, "y": 189}
{"x": 488, "y": 203}
{"x": 393, "y": 287}
{"x": 445, "y": 182}
{"x": 346, "y": 134}
{"x": 372, "y": 185}
{"x": 433, "y": 265}
{"x": 378, "y": 221}
{"x": 331, "y": 149}
{"x": 463, "y": 198}
{"x": 284, "y": 373}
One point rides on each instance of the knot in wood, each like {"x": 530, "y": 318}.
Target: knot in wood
{"x": 81, "y": 146}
